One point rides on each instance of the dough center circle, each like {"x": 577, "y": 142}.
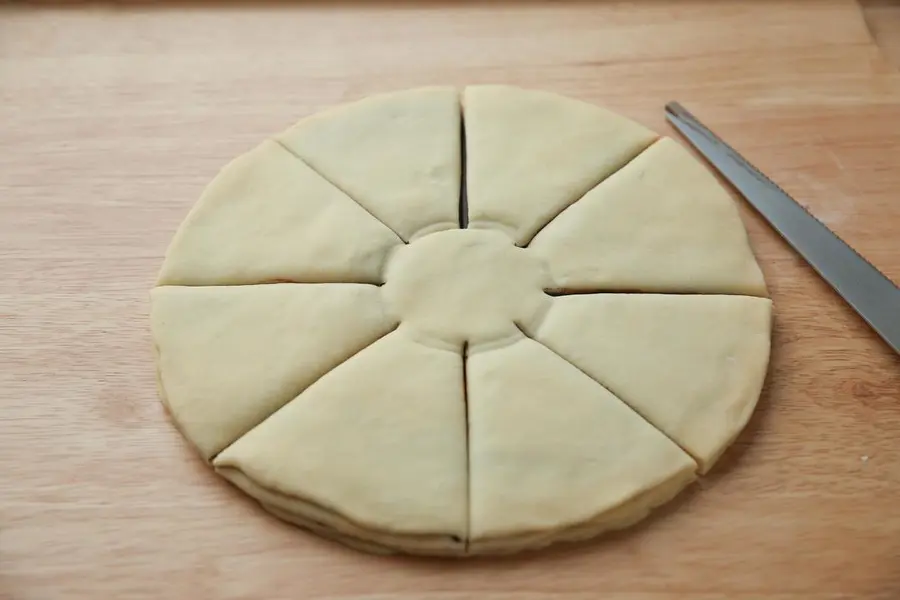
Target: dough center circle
{"x": 465, "y": 285}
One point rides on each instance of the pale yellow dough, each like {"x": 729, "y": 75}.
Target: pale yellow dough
{"x": 549, "y": 449}
{"x": 230, "y": 356}
{"x": 646, "y": 349}
{"x": 268, "y": 217}
{"x": 530, "y": 154}
{"x": 334, "y": 344}
{"x": 381, "y": 440}
{"x": 660, "y": 224}
{"x": 397, "y": 154}
{"x": 466, "y": 287}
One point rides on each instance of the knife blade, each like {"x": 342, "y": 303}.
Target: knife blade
{"x": 872, "y": 295}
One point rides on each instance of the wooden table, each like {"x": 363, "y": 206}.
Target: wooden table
{"x": 883, "y": 20}
{"x": 113, "y": 118}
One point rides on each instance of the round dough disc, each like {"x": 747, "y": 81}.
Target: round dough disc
{"x": 334, "y": 343}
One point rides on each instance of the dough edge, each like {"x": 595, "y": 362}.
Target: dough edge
{"x": 623, "y": 516}
{"x": 330, "y": 524}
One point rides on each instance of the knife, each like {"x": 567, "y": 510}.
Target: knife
{"x": 861, "y": 285}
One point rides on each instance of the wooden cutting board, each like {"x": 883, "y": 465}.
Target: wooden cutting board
{"x": 112, "y": 119}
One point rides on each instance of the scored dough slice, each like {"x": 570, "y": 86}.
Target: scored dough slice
{"x": 692, "y": 365}
{"x": 396, "y": 154}
{"x": 553, "y": 455}
{"x": 269, "y": 217}
{"x": 529, "y": 154}
{"x": 662, "y": 223}
{"x": 228, "y": 357}
{"x": 376, "y": 449}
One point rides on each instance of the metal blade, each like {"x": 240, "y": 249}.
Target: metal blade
{"x": 864, "y": 288}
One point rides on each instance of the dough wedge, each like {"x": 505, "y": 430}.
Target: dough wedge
{"x": 553, "y": 455}
{"x": 380, "y": 439}
{"x": 530, "y": 154}
{"x": 228, "y": 357}
{"x": 267, "y": 217}
{"x": 663, "y": 223}
{"x": 692, "y": 365}
{"x": 397, "y": 154}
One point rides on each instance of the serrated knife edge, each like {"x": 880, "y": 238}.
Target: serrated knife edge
{"x": 869, "y": 292}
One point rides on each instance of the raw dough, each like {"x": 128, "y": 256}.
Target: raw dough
{"x": 470, "y": 404}
{"x": 646, "y": 349}
{"x": 380, "y": 440}
{"x": 230, "y": 356}
{"x": 268, "y": 217}
{"x": 440, "y": 288}
{"x": 396, "y": 154}
{"x": 531, "y": 154}
{"x": 651, "y": 227}
{"x": 550, "y": 450}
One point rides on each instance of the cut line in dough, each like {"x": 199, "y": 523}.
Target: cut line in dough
{"x": 229, "y": 356}
{"x": 463, "y": 178}
{"x": 268, "y": 218}
{"x": 532, "y": 153}
{"x": 336, "y": 186}
{"x": 397, "y": 154}
{"x": 661, "y": 224}
{"x": 465, "y": 374}
{"x": 642, "y": 348}
{"x": 537, "y": 471}
{"x": 537, "y": 327}
{"x": 382, "y": 436}
{"x": 552, "y": 219}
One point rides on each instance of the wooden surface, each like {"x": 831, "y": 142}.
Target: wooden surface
{"x": 113, "y": 119}
{"x": 883, "y": 19}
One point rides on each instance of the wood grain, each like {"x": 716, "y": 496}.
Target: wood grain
{"x": 883, "y": 20}
{"x": 113, "y": 118}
